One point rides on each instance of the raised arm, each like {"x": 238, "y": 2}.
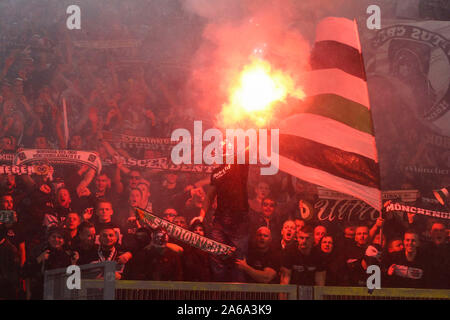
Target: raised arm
{"x": 375, "y": 228}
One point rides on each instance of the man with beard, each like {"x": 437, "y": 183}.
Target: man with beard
{"x": 263, "y": 262}
{"x": 108, "y": 250}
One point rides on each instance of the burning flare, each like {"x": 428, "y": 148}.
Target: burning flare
{"x": 256, "y": 92}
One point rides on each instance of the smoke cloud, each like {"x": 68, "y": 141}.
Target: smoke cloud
{"x": 282, "y": 32}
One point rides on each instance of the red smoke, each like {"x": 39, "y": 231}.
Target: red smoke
{"x": 234, "y": 31}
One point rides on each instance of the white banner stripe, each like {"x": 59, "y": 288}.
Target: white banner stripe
{"x": 337, "y": 82}
{"x": 338, "y": 29}
{"x": 331, "y": 133}
{"x": 371, "y": 196}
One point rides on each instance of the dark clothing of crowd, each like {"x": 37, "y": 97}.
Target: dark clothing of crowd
{"x": 110, "y": 91}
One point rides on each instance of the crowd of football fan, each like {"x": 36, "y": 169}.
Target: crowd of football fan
{"x": 74, "y": 216}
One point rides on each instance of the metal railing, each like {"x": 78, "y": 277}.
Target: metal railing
{"x": 179, "y": 290}
{"x": 55, "y": 288}
{"x": 360, "y": 293}
{"x": 164, "y": 290}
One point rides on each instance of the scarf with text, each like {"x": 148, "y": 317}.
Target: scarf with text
{"x": 186, "y": 236}
{"x": 395, "y": 206}
{"x": 59, "y": 156}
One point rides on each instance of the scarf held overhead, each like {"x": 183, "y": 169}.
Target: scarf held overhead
{"x": 90, "y": 159}
{"x": 186, "y": 236}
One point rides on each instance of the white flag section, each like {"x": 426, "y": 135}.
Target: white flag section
{"x": 329, "y": 139}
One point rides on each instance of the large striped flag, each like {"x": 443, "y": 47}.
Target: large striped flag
{"x": 329, "y": 139}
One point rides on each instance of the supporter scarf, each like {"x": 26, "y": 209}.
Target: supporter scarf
{"x": 23, "y": 169}
{"x": 90, "y": 159}
{"x": 408, "y": 272}
{"x": 186, "y": 236}
{"x": 395, "y": 206}
{"x": 148, "y": 143}
{"x": 163, "y": 164}
{"x": 111, "y": 256}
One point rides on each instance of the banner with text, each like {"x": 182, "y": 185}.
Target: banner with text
{"x": 163, "y": 164}
{"x": 186, "y": 236}
{"x": 90, "y": 159}
{"x": 395, "y": 206}
{"x": 146, "y": 143}
{"x": 407, "y": 64}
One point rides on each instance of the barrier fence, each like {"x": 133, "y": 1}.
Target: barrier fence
{"x": 355, "y": 293}
{"x": 55, "y": 288}
{"x": 164, "y": 290}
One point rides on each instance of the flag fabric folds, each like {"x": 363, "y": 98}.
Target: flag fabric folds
{"x": 329, "y": 138}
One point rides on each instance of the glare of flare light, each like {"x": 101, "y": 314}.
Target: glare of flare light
{"x": 256, "y": 91}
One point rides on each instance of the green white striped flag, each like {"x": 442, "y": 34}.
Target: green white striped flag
{"x": 329, "y": 139}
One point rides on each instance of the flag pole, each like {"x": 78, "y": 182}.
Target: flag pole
{"x": 66, "y": 125}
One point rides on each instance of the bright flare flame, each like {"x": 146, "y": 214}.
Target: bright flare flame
{"x": 256, "y": 92}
